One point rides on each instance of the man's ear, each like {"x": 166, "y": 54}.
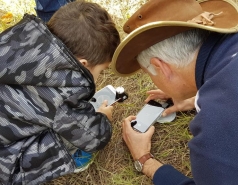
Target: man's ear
{"x": 161, "y": 67}
{"x": 84, "y": 62}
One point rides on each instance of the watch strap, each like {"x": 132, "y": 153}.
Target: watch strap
{"x": 145, "y": 157}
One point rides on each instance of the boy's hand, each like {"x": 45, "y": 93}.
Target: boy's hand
{"x": 106, "y": 110}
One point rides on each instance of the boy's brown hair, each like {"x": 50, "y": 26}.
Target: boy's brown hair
{"x": 87, "y": 30}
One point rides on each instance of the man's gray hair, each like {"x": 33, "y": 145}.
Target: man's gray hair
{"x": 178, "y": 50}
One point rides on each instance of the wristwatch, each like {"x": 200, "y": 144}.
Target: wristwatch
{"x": 140, "y": 162}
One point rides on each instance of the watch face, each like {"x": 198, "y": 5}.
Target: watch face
{"x": 138, "y": 166}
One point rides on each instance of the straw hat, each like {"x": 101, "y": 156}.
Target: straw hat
{"x": 160, "y": 19}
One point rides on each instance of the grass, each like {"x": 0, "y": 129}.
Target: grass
{"x": 114, "y": 165}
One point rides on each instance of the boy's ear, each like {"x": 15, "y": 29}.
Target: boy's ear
{"x": 84, "y": 62}
{"x": 161, "y": 67}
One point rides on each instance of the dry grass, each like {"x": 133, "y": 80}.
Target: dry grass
{"x": 114, "y": 165}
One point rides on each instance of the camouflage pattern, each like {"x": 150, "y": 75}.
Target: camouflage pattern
{"x": 44, "y": 95}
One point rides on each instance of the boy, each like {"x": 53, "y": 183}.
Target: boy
{"x": 191, "y": 54}
{"x": 46, "y": 80}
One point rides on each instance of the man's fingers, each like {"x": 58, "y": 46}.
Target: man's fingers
{"x": 156, "y": 94}
{"x": 154, "y": 91}
{"x": 125, "y": 129}
{"x": 129, "y": 118}
{"x": 151, "y": 97}
{"x": 169, "y": 110}
{"x": 104, "y": 103}
{"x": 148, "y": 99}
{"x": 127, "y": 122}
{"x": 151, "y": 130}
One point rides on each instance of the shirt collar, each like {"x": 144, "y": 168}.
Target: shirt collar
{"x": 204, "y": 55}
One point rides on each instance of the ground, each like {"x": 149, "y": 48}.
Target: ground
{"x": 114, "y": 165}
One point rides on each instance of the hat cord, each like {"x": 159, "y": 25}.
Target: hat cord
{"x": 205, "y": 18}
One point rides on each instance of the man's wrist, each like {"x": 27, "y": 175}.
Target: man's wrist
{"x": 150, "y": 167}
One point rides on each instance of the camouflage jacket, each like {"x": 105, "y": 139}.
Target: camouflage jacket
{"x": 44, "y": 95}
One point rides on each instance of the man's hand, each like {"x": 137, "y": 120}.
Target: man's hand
{"x": 138, "y": 143}
{"x": 107, "y": 110}
{"x": 182, "y": 105}
{"x": 156, "y": 94}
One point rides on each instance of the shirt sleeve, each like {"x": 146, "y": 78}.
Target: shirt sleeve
{"x": 86, "y": 129}
{"x": 168, "y": 175}
{"x": 214, "y": 147}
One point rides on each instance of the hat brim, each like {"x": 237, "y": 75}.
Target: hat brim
{"x": 124, "y": 62}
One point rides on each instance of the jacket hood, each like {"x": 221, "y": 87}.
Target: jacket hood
{"x": 32, "y": 55}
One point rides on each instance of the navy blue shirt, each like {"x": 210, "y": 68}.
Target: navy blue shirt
{"x": 214, "y": 147}
{"x": 46, "y": 8}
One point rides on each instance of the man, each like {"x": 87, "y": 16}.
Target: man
{"x": 188, "y": 48}
{"x": 46, "y": 8}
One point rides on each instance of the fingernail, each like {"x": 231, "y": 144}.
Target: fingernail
{"x": 164, "y": 114}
